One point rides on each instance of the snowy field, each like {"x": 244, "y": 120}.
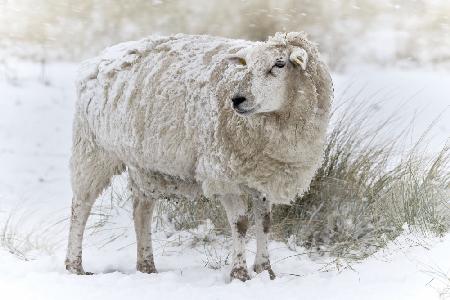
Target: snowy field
{"x": 35, "y": 136}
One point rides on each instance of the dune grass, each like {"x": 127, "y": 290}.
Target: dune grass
{"x": 367, "y": 189}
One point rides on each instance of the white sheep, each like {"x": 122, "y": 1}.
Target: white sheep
{"x": 192, "y": 114}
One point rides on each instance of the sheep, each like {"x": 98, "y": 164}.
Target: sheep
{"x": 191, "y": 115}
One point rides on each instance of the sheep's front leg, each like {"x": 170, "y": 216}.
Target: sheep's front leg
{"x": 236, "y": 208}
{"x": 142, "y": 215}
{"x": 263, "y": 219}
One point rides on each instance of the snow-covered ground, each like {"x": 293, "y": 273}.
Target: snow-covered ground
{"x": 35, "y": 136}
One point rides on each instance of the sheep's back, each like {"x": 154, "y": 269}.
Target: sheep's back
{"x": 152, "y": 103}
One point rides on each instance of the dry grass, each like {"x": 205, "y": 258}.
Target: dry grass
{"x": 189, "y": 214}
{"x": 24, "y": 240}
{"x": 367, "y": 189}
{"x": 440, "y": 280}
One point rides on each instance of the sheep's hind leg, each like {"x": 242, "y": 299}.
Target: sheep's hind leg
{"x": 91, "y": 173}
{"x": 81, "y": 208}
{"x": 263, "y": 220}
{"x": 236, "y": 208}
{"x": 143, "y": 206}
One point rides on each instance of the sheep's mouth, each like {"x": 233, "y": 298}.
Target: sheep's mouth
{"x": 245, "y": 111}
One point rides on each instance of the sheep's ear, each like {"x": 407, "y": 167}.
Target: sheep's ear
{"x": 238, "y": 58}
{"x": 299, "y": 57}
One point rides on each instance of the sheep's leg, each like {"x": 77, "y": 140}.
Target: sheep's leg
{"x": 142, "y": 215}
{"x": 263, "y": 220}
{"x": 81, "y": 208}
{"x": 236, "y": 208}
{"x": 91, "y": 173}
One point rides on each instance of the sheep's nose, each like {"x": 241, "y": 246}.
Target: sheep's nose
{"x": 238, "y": 100}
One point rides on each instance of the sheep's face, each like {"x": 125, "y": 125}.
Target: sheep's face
{"x": 265, "y": 71}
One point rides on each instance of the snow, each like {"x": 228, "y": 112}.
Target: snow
{"x": 35, "y": 139}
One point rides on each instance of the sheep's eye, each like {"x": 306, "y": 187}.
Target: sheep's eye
{"x": 280, "y": 64}
{"x": 242, "y": 62}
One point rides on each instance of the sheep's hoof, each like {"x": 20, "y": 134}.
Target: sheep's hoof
{"x": 240, "y": 273}
{"x": 77, "y": 270}
{"x": 88, "y": 273}
{"x": 146, "y": 267}
{"x": 264, "y": 267}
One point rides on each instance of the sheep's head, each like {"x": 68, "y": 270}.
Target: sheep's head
{"x": 268, "y": 71}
